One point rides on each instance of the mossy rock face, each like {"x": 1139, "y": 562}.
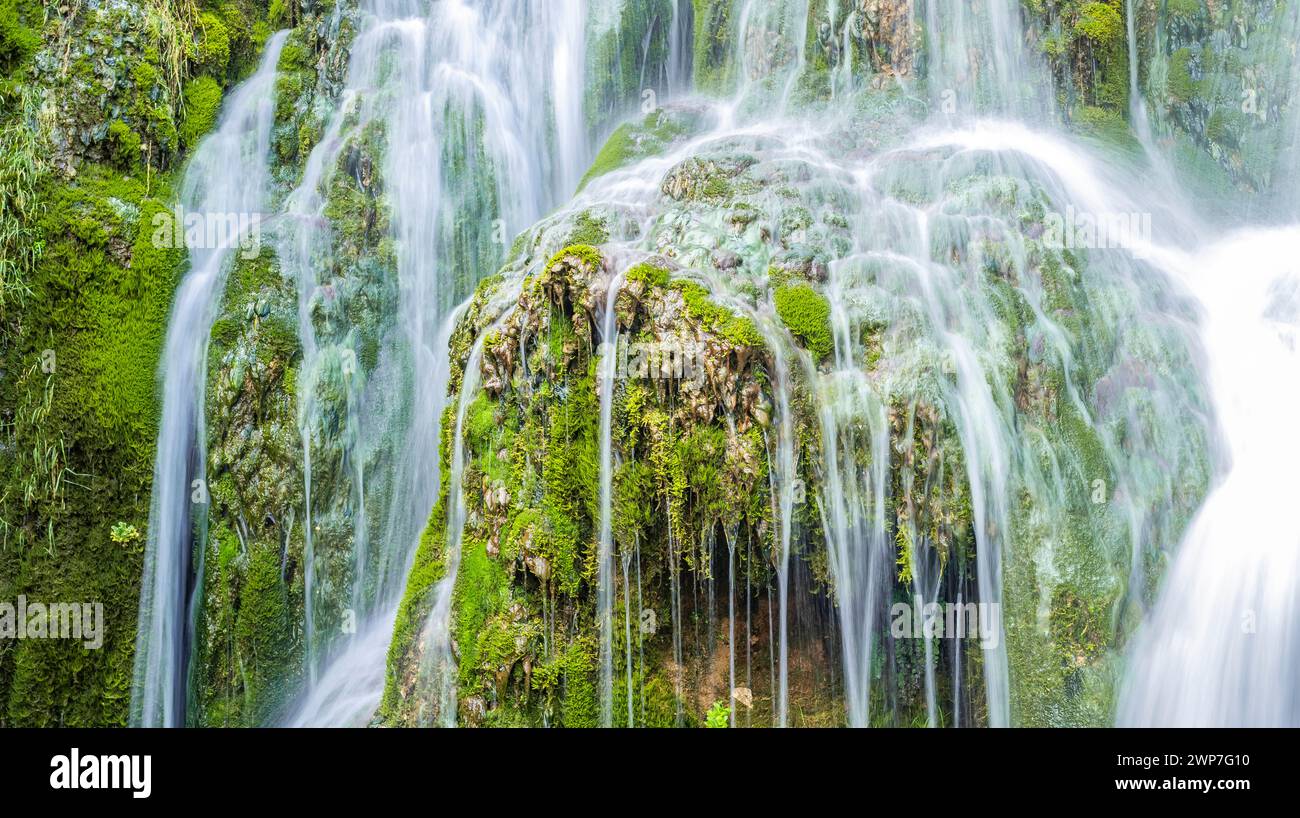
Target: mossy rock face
{"x": 807, "y": 314}
{"x": 268, "y": 399}
{"x": 627, "y": 61}
{"x": 249, "y": 643}
{"x": 98, "y": 94}
{"x": 651, "y": 136}
{"x": 86, "y": 361}
{"x": 310, "y": 77}
{"x": 20, "y": 37}
{"x": 532, "y": 487}
{"x": 746, "y": 242}
{"x": 138, "y": 64}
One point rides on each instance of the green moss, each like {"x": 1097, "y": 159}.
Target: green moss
{"x": 807, "y": 314}
{"x": 20, "y": 23}
{"x": 1080, "y": 628}
{"x": 104, "y": 289}
{"x": 22, "y": 174}
{"x": 713, "y": 63}
{"x": 297, "y": 127}
{"x": 719, "y": 715}
{"x": 105, "y": 293}
{"x": 1180, "y": 85}
{"x": 264, "y": 637}
{"x": 648, "y": 274}
{"x": 480, "y": 423}
{"x": 1101, "y": 23}
{"x": 427, "y": 568}
{"x": 581, "y": 702}
{"x": 1183, "y": 10}
{"x": 280, "y": 13}
{"x": 125, "y": 144}
{"x": 212, "y": 45}
{"x": 737, "y": 329}
{"x": 482, "y": 590}
{"x": 202, "y": 104}
{"x": 584, "y": 254}
{"x": 588, "y": 230}
{"x": 635, "y": 140}
{"x": 570, "y": 479}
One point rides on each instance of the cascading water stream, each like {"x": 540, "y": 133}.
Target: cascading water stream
{"x": 438, "y": 669}
{"x": 1220, "y": 648}
{"x": 680, "y": 30}
{"x": 605, "y": 553}
{"x": 978, "y": 62}
{"x": 211, "y": 191}
{"x": 783, "y": 476}
{"x": 470, "y": 123}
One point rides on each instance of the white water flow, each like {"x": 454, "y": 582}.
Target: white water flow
{"x": 783, "y": 476}
{"x": 731, "y": 624}
{"x": 605, "y": 553}
{"x": 978, "y": 62}
{"x": 1137, "y": 105}
{"x": 680, "y": 46}
{"x": 852, "y": 506}
{"x": 1222, "y": 646}
{"x": 481, "y": 140}
{"x": 307, "y": 232}
{"x": 241, "y": 140}
{"x": 772, "y": 40}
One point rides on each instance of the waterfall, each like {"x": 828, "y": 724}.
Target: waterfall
{"x": 1136, "y": 102}
{"x": 680, "y": 30}
{"x": 783, "y": 477}
{"x": 912, "y": 255}
{"x": 977, "y": 62}
{"x": 241, "y": 140}
{"x": 920, "y": 403}
{"x": 1222, "y": 646}
{"x": 771, "y": 48}
{"x": 1219, "y": 648}
{"x": 605, "y": 553}
{"x": 469, "y": 123}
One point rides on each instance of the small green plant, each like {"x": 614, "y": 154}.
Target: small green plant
{"x": 719, "y": 715}
{"x": 124, "y": 533}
